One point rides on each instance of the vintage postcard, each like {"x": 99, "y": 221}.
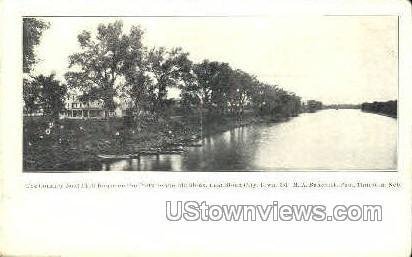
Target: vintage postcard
{"x": 210, "y": 93}
{"x": 205, "y": 128}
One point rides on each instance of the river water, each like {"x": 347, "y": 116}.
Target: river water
{"x": 325, "y": 140}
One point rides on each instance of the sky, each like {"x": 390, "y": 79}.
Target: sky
{"x": 333, "y": 59}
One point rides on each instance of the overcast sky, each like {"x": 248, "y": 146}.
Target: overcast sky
{"x": 334, "y": 59}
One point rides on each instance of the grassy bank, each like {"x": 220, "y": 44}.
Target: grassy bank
{"x": 49, "y": 146}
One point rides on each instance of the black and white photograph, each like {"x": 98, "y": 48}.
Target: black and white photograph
{"x": 210, "y": 93}
{"x": 205, "y": 128}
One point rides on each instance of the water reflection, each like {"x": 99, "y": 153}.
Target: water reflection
{"x": 157, "y": 163}
{"x": 330, "y": 139}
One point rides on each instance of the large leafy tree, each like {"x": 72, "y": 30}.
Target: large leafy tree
{"x": 221, "y": 86}
{"x": 211, "y": 86}
{"x": 46, "y": 93}
{"x": 206, "y": 73}
{"x": 99, "y": 69}
{"x": 265, "y": 98}
{"x": 240, "y": 91}
{"x": 32, "y": 32}
{"x": 169, "y": 69}
{"x": 138, "y": 91}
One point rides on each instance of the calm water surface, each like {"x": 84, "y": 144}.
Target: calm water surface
{"x": 328, "y": 139}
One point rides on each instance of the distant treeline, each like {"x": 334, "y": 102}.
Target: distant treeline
{"x": 387, "y": 108}
{"x": 312, "y": 106}
{"x": 342, "y": 106}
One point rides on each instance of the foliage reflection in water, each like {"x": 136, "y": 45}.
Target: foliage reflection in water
{"x": 329, "y": 139}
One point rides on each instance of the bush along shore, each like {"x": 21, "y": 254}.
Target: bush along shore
{"x": 56, "y": 145}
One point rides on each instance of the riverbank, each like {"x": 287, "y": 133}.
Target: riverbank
{"x": 395, "y": 116}
{"x": 215, "y": 125}
{"x": 52, "y": 146}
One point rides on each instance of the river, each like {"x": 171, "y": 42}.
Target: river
{"x": 325, "y": 140}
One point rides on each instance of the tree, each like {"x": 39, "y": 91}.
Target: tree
{"x": 100, "y": 67}
{"x": 220, "y": 88}
{"x": 169, "y": 69}
{"x": 201, "y": 91}
{"x": 264, "y": 98}
{"x": 32, "y": 32}
{"x": 47, "y": 94}
{"x": 241, "y": 87}
{"x": 199, "y": 94}
{"x": 140, "y": 85}
{"x": 31, "y": 93}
